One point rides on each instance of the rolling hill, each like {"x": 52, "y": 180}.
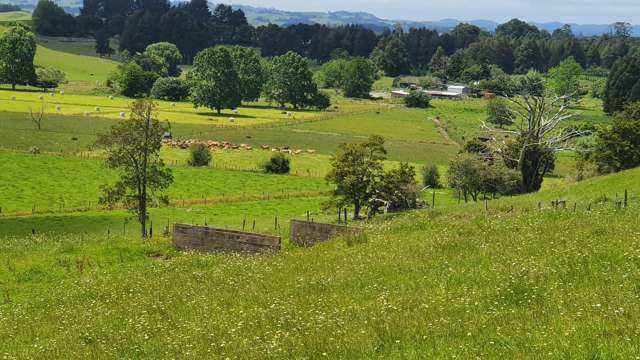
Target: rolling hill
{"x": 455, "y": 282}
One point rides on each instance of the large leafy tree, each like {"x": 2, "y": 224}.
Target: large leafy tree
{"x": 359, "y": 76}
{"x": 50, "y": 19}
{"x": 133, "y": 148}
{"x": 527, "y": 56}
{"x": 251, "y": 71}
{"x": 17, "y": 51}
{"x": 499, "y": 113}
{"x": 356, "y": 172}
{"x": 564, "y": 80}
{"x": 623, "y": 84}
{"x": 215, "y": 81}
{"x": 618, "y": 147}
{"x": 291, "y": 81}
{"x": 391, "y": 55}
{"x": 354, "y": 76}
{"x": 166, "y": 54}
{"x": 516, "y": 28}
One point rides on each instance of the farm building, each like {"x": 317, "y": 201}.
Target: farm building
{"x": 399, "y": 93}
{"x": 458, "y": 89}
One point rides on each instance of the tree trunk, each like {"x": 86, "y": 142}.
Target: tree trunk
{"x": 142, "y": 216}
{"x": 143, "y": 187}
{"x": 356, "y": 210}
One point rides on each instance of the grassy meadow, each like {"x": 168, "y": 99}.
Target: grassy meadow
{"x": 457, "y": 282}
{"x": 509, "y": 278}
{"x": 54, "y": 183}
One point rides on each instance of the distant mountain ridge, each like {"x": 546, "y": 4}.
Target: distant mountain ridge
{"x": 262, "y": 16}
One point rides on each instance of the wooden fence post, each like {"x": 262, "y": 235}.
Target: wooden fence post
{"x": 626, "y": 199}
{"x": 433, "y": 199}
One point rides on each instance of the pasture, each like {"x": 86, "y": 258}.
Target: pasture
{"x": 116, "y": 108}
{"x": 462, "y": 282}
{"x": 14, "y": 16}
{"x": 54, "y": 183}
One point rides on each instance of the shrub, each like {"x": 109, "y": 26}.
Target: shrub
{"x": 200, "y": 155}
{"x": 476, "y": 146}
{"x": 431, "y": 176}
{"x": 170, "y": 89}
{"x": 277, "y": 164}
{"x": 417, "y": 99}
{"x": 49, "y": 78}
{"x": 131, "y": 80}
{"x": 321, "y": 101}
{"x": 617, "y": 147}
{"x": 499, "y": 113}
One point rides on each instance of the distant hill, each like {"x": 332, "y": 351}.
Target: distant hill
{"x": 262, "y": 16}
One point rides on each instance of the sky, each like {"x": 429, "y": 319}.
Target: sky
{"x": 569, "y": 11}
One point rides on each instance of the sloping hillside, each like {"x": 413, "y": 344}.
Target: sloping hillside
{"x": 461, "y": 281}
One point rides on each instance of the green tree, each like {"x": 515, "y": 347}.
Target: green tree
{"x": 527, "y": 57}
{"x": 465, "y": 175}
{"x": 618, "y": 146}
{"x": 321, "y": 101}
{"x": 564, "y": 80}
{"x": 199, "y": 155}
{"x": 215, "y": 81}
{"x": 332, "y": 73}
{"x": 49, "y": 78}
{"x": 438, "y": 61}
{"x": 356, "y": 171}
{"x": 17, "y": 51}
{"x": 359, "y": 76}
{"x": 170, "y": 89}
{"x": 417, "y": 99}
{"x": 132, "y": 80}
{"x": 623, "y": 84}
{"x": 533, "y": 159}
{"x": 251, "y": 71}
{"x": 277, "y": 164}
{"x": 471, "y": 175}
{"x": 397, "y": 190}
{"x": 291, "y": 81}
{"x": 391, "y": 56}
{"x": 166, "y": 54}
{"x": 103, "y": 43}
{"x": 431, "y": 176}
{"x": 51, "y": 20}
{"x": 499, "y": 113}
{"x": 133, "y": 148}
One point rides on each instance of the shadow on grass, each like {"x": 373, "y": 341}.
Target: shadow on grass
{"x": 225, "y": 116}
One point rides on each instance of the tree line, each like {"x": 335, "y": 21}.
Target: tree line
{"x": 464, "y": 52}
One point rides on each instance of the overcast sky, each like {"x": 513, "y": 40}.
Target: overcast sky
{"x": 575, "y": 11}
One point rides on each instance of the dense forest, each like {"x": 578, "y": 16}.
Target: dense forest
{"x": 467, "y": 52}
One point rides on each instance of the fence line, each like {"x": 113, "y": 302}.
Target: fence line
{"x": 59, "y": 208}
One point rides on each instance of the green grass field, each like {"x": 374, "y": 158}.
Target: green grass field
{"x": 452, "y": 282}
{"x": 55, "y": 183}
{"x": 15, "y": 16}
{"x": 114, "y": 108}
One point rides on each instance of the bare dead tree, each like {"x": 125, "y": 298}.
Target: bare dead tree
{"x": 537, "y": 120}
{"x": 37, "y": 117}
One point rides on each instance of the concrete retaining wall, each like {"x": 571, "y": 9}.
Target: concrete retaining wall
{"x": 304, "y": 233}
{"x": 201, "y": 238}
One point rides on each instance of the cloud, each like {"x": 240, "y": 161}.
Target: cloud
{"x": 576, "y": 11}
